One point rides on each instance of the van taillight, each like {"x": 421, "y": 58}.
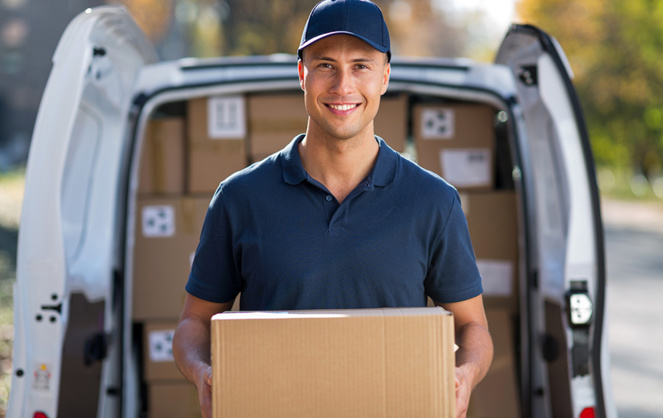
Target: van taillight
{"x": 39, "y": 415}
{"x": 588, "y": 413}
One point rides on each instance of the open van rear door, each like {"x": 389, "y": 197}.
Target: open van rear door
{"x": 66, "y": 350}
{"x": 563, "y": 290}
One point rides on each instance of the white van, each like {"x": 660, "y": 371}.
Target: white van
{"x": 127, "y": 152}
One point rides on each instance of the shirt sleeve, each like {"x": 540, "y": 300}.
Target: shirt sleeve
{"x": 214, "y": 274}
{"x": 453, "y": 275}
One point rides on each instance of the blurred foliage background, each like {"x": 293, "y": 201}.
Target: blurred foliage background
{"x": 613, "y": 47}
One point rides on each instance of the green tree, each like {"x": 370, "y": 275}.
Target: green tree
{"x": 613, "y": 47}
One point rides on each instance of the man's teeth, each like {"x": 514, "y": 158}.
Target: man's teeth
{"x": 343, "y": 107}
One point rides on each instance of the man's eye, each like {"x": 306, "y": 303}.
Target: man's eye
{"x": 325, "y": 65}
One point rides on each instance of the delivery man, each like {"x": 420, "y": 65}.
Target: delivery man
{"x": 336, "y": 219}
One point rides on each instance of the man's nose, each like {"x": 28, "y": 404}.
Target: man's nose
{"x": 343, "y": 83}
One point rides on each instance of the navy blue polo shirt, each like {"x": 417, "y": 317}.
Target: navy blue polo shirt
{"x": 280, "y": 238}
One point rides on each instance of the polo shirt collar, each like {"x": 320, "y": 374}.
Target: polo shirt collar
{"x": 382, "y": 174}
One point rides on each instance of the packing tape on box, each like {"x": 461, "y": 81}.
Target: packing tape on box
{"x": 158, "y": 162}
{"x": 188, "y": 211}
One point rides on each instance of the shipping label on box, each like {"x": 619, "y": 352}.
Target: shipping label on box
{"x": 158, "y": 221}
{"x": 497, "y": 277}
{"x": 161, "y": 345}
{"x": 226, "y": 118}
{"x": 158, "y": 361}
{"x": 467, "y": 167}
{"x": 438, "y": 123}
{"x": 335, "y": 363}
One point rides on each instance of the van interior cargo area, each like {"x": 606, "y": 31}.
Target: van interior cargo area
{"x": 188, "y": 147}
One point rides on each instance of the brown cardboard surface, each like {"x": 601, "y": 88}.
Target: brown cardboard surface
{"x": 391, "y": 121}
{"x": 210, "y": 160}
{"x": 162, "y": 157}
{"x": 492, "y": 222}
{"x": 158, "y": 361}
{"x": 344, "y": 363}
{"x": 167, "y": 234}
{"x": 463, "y": 136}
{"x": 497, "y": 394}
{"x": 274, "y": 120}
{"x": 173, "y": 399}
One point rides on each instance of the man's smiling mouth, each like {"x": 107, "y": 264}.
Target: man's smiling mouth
{"x": 343, "y": 107}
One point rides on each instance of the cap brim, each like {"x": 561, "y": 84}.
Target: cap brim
{"x": 375, "y": 45}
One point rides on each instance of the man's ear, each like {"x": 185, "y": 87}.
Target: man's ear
{"x": 300, "y": 71}
{"x": 385, "y": 78}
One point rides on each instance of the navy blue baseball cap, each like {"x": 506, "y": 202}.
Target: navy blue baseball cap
{"x": 360, "y": 18}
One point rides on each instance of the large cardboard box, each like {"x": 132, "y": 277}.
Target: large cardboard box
{"x": 166, "y": 237}
{"x": 177, "y": 399}
{"x": 391, "y": 121}
{"x": 492, "y": 222}
{"x": 274, "y": 120}
{"x": 334, "y": 363}
{"x": 497, "y": 394}
{"x": 216, "y": 134}
{"x": 162, "y": 157}
{"x": 457, "y": 142}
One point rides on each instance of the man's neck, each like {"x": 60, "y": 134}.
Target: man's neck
{"x": 339, "y": 164}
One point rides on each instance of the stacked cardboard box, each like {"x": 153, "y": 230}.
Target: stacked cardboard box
{"x": 335, "y": 363}
{"x": 216, "y": 138}
{"x": 492, "y": 222}
{"x": 457, "y": 142}
{"x": 167, "y": 234}
{"x": 391, "y": 122}
{"x": 169, "y": 394}
{"x": 497, "y": 395}
{"x": 162, "y": 157}
{"x": 274, "y": 121}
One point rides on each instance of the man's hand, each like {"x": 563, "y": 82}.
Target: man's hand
{"x": 475, "y": 348}
{"x": 191, "y": 346}
{"x": 204, "y": 387}
{"x": 463, "y": 391}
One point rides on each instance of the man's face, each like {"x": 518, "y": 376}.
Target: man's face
{"x": 343, "y": 78}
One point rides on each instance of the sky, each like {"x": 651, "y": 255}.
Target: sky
{"x": 500, "y": 13}
{"x": 486, "y": 36}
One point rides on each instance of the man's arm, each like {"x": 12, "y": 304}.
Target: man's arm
{"x": 475, "y": 348}
{"x": 191, "y": 346}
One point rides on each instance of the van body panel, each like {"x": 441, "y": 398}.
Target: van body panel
{"x": 69, "y": 222}
{"x": 569, "y": 263}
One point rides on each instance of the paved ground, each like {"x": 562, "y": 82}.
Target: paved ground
{"x": 634, "y": 246}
